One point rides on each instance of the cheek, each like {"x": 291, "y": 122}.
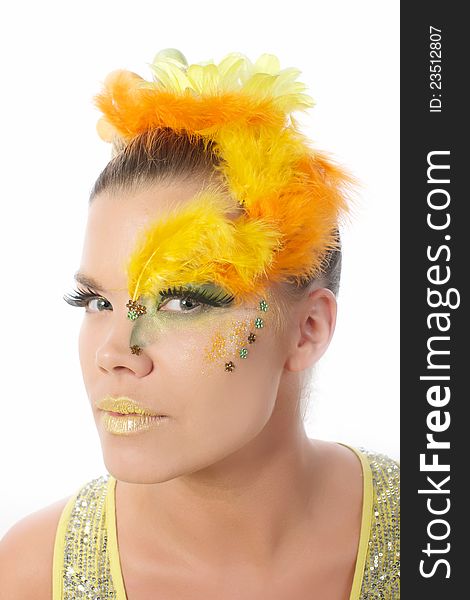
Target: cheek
{"x": 197, "y": 348}
{"x": 238, "y": 340}
{"x": 225, "y": 363}
{"x": 231, "y": 344}
{"x": 227, "y": 409}
{"x": 84, "y": 345}
{"x": 218, "y": 342}
{"x": 219, "y": 410}
{"x": 88, "y": 342}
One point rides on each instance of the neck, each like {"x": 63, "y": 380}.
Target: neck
{"x": 249, "y": 504}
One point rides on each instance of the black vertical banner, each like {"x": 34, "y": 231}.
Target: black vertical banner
{"x": 435, "y": 257}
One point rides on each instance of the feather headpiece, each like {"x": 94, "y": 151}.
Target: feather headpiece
{"x": 293, "y": 197}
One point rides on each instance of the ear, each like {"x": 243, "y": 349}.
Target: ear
{"x": 315, "y": 325}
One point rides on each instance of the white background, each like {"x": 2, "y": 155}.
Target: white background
{"x": 55, "y": 56}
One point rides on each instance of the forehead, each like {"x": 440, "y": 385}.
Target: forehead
{"x": 115, "y": 219}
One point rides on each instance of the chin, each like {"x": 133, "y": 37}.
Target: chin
{"x": 134, "y": 463}
{"x": 143, "y": 472}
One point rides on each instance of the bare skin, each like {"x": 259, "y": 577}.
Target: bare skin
{"x": 233, "y": 499}
{"x": 26, "y": 553}
{"x": 314, "y": 559}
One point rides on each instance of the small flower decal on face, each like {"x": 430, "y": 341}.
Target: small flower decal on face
{"x": 263, "y": 305}
{"x": 259, "y": 323}
{"x": 135, "y": 310}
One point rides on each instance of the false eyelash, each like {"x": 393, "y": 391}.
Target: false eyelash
{"x": 220, "y": 299}
{"x": 80, "y": 298}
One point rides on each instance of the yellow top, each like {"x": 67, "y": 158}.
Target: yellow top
{"x": 86, "y": 560}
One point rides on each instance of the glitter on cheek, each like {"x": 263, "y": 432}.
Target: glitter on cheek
{"x": 217, "y": 347}
{"x": 225, "y": 345}
{"x": 234, "y": 339}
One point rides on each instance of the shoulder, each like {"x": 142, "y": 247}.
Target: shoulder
{"x": 345, "y": 456}
{"x": 26, "y": 553}
{"x": 27, "y": 548}
{"x": 381, "y": 486}
{"x": 382, "y": 474}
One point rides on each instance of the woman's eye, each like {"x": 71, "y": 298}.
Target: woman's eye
{"x": 180, "y": 305}
{"x": 101, "y": 304}
{"x": 199, "y": 300}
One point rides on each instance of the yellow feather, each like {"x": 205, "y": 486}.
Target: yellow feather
{"x": 197, "y": 244}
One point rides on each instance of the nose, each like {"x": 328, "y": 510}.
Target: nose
{"x": 115, "y": 355}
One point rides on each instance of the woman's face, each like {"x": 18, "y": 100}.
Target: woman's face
{"x": 181, "y": 370}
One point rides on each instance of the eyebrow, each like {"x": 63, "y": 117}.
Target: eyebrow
{"x": 88, "y": 281}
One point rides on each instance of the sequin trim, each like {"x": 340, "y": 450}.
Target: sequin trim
{"x": 381, "y": 576}
{"x": 85, "y": 571}
{"x": 83, "y": 543}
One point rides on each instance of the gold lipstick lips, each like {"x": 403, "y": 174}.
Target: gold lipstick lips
{"x": 124, "y": 406}
{"x": 129, "y": 417}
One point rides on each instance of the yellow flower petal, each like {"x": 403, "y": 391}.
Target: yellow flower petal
{"x": 170, "y": 76}
{"x": 268, "y": 63}
{"x": 204, "y": 79}
{"x": 171, "y": 55}
{"x": 260, "y": 84}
